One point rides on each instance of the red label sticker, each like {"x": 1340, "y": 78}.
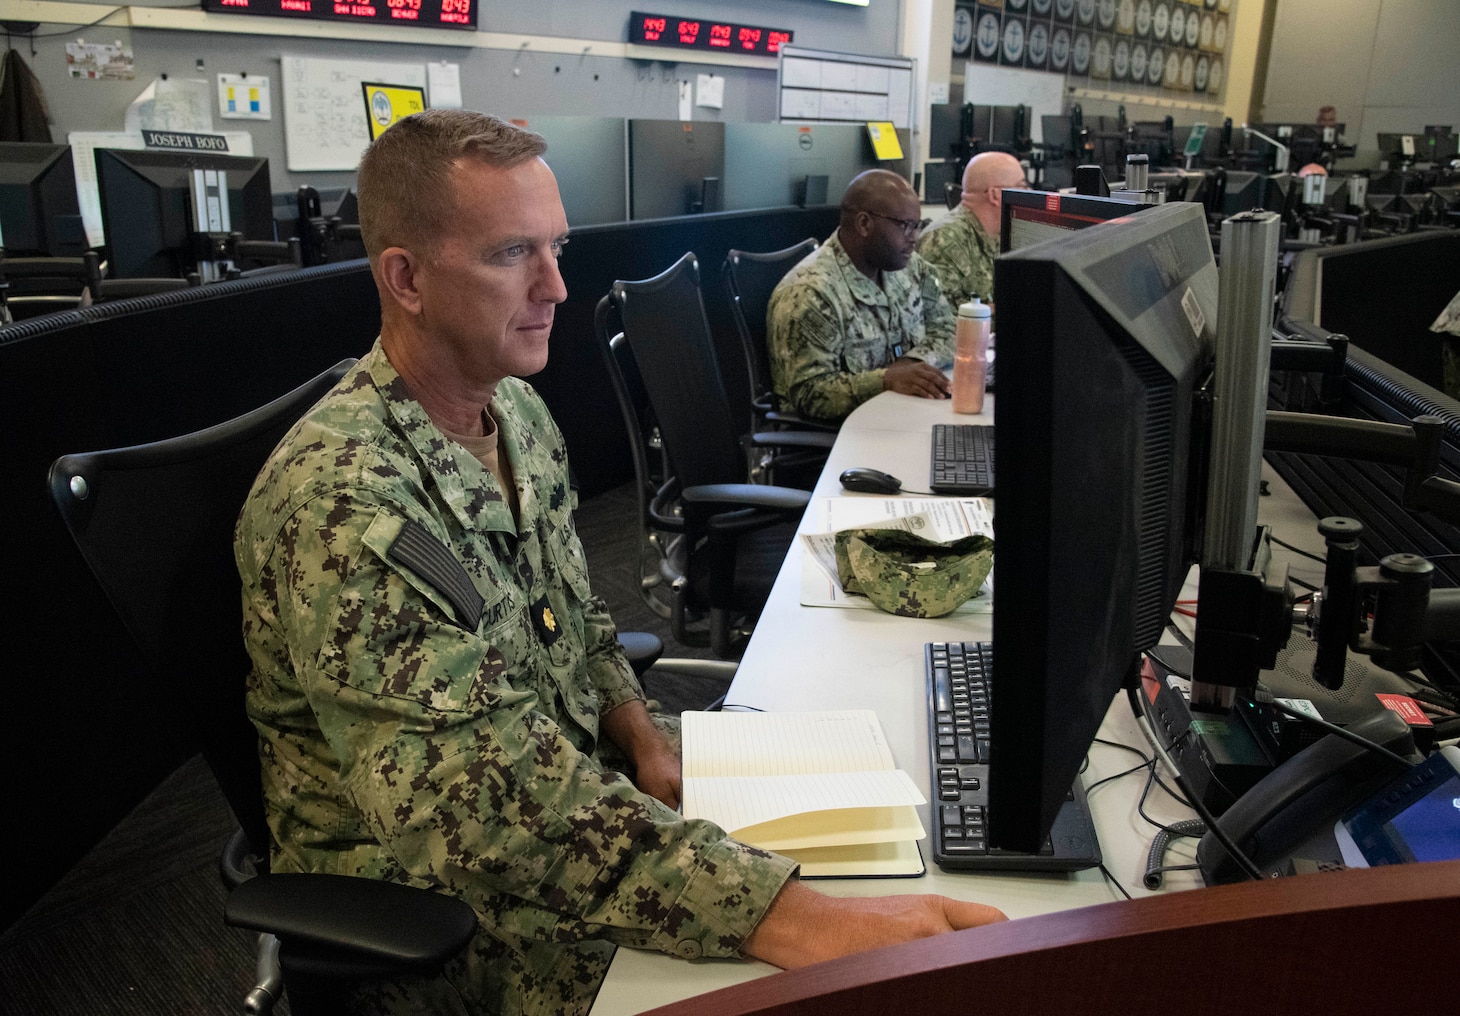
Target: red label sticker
{"x": 1052, "y": 201}
{"x": 1407, "y": 708}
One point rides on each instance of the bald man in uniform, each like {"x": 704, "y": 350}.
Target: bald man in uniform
{"x": 961, "y": 247}
{"x": 863, "y": 313}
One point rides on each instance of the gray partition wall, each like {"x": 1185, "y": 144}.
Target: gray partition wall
{"x": 589, "y": 156}
{"x": 669, "y": 160}
{"x": 766, "y": 162}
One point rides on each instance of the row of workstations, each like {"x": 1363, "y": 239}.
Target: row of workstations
{"x": 99, "y": 733}
{"x": 166, "y": 213}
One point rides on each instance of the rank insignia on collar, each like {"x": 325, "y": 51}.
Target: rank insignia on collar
{"x": 545, "y": 621}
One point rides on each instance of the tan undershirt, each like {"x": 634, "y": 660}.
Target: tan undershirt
{"x": 484, "y": 449}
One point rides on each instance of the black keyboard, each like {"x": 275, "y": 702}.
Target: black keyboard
{"x": 963, "y": 459}
{"x": 958, "y": 727}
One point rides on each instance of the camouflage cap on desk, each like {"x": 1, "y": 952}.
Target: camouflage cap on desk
{"x": 902, "y": 573}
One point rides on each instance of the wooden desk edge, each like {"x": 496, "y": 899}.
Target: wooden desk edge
{"x": 1303, "y": 944}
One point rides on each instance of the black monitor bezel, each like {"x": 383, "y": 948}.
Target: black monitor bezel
{"x": 1085, "y": 582}
{"x": 50, "y": 195}
{"x": 161, "y": 244}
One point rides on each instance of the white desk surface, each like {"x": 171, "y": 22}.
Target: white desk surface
{"x": 806, "y": 658}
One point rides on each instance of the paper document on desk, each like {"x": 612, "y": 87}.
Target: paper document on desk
{"x": 819, "y": 787}
{"x": 942, "y": 519}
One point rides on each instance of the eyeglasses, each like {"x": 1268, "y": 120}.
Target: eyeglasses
{"x": 910, "y": 227}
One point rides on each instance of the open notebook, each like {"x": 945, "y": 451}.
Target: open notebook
{"x": 819, "y": 787}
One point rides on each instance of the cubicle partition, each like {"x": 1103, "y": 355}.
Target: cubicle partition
{"x": 88, "y": 732}
{"x": 589, "y": 156}
{"x": 766, "y": 164}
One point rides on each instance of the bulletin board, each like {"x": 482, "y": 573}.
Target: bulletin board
{"x": 325, "y": 127}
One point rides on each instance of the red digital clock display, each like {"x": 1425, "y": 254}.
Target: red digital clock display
{"x": 700, "y": 33}
{"x": 423, "y": 13}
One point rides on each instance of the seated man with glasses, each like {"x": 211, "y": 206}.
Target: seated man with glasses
{"x": 961, "y": 246}
{"x": 863, "y": 312}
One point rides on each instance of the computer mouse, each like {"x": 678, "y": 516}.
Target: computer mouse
{"x": 870, "y": 481}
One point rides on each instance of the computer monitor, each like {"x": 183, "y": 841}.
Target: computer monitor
{"x": 1244, "y": 191}
{"x": 162, "y": 210}
{"x": 39, "y": 213}
{"x": 1440, "y": 143}
{"x": 668, "y": 163}
{"x": 1105, "y": 340}
{"x": 1030, "y": 216}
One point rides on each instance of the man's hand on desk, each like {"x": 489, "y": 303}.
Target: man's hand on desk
{"x": 915, "y": 377}
{"x": 656, "y": 763}
{"x": 804, "y": 927}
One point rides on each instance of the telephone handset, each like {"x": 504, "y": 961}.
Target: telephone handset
{"x": 1291, "y": 811}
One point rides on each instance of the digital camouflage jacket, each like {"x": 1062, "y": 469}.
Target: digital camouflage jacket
{"x": 427, "y": 681}
{"x": 962, "y": 255}
{"x": 832, "y": 331}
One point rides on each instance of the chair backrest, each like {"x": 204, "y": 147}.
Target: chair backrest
{"x": 750, "y": 278}
{"x": 38, "y": 285}
{"x": 664, "y": 324}
{"x": 155, "y": 524}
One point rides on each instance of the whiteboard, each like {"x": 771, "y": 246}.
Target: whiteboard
{"x": 324, "y": 108}
{"x": 821, "y": 85}
{"x": 990, "y": 85}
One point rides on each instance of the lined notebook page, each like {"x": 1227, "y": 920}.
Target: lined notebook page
{"x": 783, "y": 744}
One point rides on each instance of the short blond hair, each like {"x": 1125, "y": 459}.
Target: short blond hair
{"x": 404, "y": 182}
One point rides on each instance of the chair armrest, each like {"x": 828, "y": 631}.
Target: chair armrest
{"x": 641, "y": 649}
{"x": 716, "y": 497}
{"x": 353, "y": 927}
{"x": 780, "y": 416}
{"x": 804, "y": 439}
{"x": 720, "y": 670}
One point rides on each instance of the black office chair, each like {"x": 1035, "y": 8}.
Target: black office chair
{"x": 749, "y": 280}
{"x": 724, "y": 539}
{"x": 155, "y": 524}
{"x": 30, "y": 286}
{"x": 251, "y": 258}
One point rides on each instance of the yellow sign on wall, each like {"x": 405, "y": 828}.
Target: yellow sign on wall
{"x": 385, "y": 104}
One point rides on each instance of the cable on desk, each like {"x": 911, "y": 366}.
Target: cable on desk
{"x": 1156, "y": 857}
{"x": 1107, "y": 779}
{"x": 1241, "y": 859}
{"x": 1113, "y": 880}
{"x": 1296, "y": 550}
{"x": 1155, "y": 778}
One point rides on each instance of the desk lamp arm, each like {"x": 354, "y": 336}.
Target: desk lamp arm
{"x": 1280, "y": 163}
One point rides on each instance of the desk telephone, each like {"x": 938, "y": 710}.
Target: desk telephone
{"x": 1338, "y": 804}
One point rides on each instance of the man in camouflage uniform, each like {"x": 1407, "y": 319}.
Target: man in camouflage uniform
{"x": 862, "y": 313}
{"x": 961, "y": 246}
{"x": 433, "y": 683}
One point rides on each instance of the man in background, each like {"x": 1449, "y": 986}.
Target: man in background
{"x": 862, "y": 313}
{"x": 436, "y": 688}
{"x": 961, "y": 246}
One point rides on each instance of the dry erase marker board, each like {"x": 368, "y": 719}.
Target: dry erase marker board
{"x": 324, "y": 127}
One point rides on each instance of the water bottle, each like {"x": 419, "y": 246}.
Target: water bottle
{"x": 970, "y": 358}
